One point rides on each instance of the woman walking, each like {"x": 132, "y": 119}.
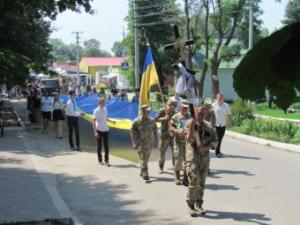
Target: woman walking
{"x": 58, "y": 116}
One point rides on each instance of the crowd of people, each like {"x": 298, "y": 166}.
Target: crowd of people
{"x": 191, "y": 134}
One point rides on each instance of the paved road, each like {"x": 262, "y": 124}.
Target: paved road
{"x": 253, "y": 184}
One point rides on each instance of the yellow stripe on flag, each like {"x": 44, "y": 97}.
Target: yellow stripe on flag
{"x": 149, "y": 78}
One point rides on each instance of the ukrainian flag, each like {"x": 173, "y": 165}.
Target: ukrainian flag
{"x": 149, "y": 78}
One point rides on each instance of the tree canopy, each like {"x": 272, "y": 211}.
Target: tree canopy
{"x": 292, "y": 12}
{"x": 25, "y": 27}
{"x": 272, "y": 64}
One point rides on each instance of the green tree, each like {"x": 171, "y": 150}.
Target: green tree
{"x": 267, "y": 66}
{"x": 292, "y": 12}
{"x": 118, "y": 49}
{"x": 242, "y": 33}
{"x": 24, "y": 44}
{"x": 61, "y": 52}
{"x": 154, "y": 19}
{"x": 220, "y": 31}
{"x": 92, "y": 49}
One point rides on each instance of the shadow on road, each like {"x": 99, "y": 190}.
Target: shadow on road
{"x": 257, "y": 218}
{"x": 216, "y": 173}
{"x": 103, "y": 203}
{"x": 217, "y": 187}
{"x": 241, "y": 157}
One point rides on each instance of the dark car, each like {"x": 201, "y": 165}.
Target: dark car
{"x": 51, "y": 86}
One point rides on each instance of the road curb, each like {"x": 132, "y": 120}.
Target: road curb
{"x": 261, "y": 141}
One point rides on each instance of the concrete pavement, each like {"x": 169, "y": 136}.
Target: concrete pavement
{"x": 253, "y": 184}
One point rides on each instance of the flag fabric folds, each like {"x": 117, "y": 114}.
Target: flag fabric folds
{"x": 149, "y": 78}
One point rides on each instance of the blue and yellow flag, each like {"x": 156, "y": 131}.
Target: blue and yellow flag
{"x": 149, "y": 78}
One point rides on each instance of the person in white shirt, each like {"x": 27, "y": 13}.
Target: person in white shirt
{"x": 223, "y": 118}
{"x": 101, "y": 130}
{"x": 46, "y": 105}
{"x": 72, "y": 120}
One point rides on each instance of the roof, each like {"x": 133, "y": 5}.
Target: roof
{"x": 65, "y": 66}
{"x": 103, "y": 61}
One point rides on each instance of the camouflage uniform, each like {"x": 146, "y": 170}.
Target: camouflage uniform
{"x": 143, "y": 133}
{"x": 197, "y": 158}
{"x": 177, "y": 124}
{"x": 165, "y": 138}
{"x": 210, "y": 117}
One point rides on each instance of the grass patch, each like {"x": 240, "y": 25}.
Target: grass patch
{"x": 263, "y": 109}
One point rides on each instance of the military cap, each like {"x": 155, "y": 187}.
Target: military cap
{"x": 172, "y": 101}
{"x": 184, "y": 103}
{"x": 145, "y": 108}
{"x": 207, "y": 101}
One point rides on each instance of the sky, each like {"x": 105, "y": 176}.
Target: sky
{"x": 108, "y": 23}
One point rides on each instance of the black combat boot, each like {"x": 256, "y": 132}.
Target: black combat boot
{"x": 145, "y": 175}
{"x": 177, "y": 177}
{"x": 161, "y": 168}
{"x": 141, "y": 173}
{"x": 199, "y": 207}
{"x": 191, "y": 208}
{"x": 185, "y": 180}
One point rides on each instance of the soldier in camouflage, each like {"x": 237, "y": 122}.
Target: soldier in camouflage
{"x": 201, "y": 137}
{"x": 143, "y": 135}
{"x": 176, "y": 127}
{"x": 210, "y": 116}
{"x": 166, "y": 139}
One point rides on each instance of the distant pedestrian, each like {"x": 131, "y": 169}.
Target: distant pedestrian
{"x": 223, "y": 118}
{"x": 72, "y": 120}
{"x": 58, "y": 116}
{"x": 36, "y": 108}
{"x": 101, "y": 131}
{"x": 136, "y": 96}
{"x": 29, "y": 107}
{"x": 46, "y": 106}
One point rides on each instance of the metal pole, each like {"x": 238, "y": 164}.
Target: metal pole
{"x": 136, "y": 47}
{"x": 250, "y": 46}
{"x": 77, "y": 60}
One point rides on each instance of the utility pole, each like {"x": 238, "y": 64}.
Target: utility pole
{"x": 250, "y": 46}
{"x": 136, "y": 46}
{"x": 77, "y": 33}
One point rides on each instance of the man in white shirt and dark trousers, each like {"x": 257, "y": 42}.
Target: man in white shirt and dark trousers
{"x": 223, "y": 117}
{"x": 72, "y": 120}
{"x": 101, "y": 130}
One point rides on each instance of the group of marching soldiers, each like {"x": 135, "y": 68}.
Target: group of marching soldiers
{"x": 190, "y": 138}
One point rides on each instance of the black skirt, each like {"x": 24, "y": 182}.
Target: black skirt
{"x": 58, "y": 115}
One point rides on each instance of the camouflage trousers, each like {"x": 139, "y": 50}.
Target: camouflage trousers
{"x": 144, "y": 156}
{"x": 179, "y": 155}
{"x": 197, "y": 171}
{"x": 165, "y": 142}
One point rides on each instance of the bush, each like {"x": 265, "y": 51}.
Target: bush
{"x": 270, "y": 129}
{"x": 241, "y": 112}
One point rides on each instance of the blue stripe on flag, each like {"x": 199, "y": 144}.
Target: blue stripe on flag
{"x": 148, "y": 60}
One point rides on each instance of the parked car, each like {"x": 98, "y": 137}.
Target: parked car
{"x": 51, "y": 86}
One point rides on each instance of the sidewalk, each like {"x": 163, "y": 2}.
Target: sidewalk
{"x": 23, "y": 195}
